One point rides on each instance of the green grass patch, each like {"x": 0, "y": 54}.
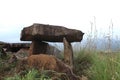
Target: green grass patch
{"x": 82, "y": 62}
{"x": 31, "y": 75}
{"x": 105, "y": 67}
{"x": 96, "y": 65}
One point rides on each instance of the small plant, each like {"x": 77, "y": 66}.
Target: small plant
{"x": 31, "y": 75}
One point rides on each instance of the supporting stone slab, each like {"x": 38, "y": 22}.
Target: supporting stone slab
{"x": 38, "y": 47}
{"x": 68, "y": 53}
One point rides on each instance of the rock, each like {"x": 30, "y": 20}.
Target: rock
{"x": 68, "y": 53}
{"x": 39, "y": 34}
{"x": 38, "y": 47}
{"x": 48, "y": 62}
{"x": 14, "y": 47}
{"x": 3, "y": 54}
{"x": 22, "y": 53}
{"x": 51, "y": 50}
{"x": 13, "y": 59}
{"x": 50, "y": 33}
{"x": 3, "y": 44}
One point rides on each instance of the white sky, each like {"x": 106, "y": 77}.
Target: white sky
{"x": 77, "y": 14}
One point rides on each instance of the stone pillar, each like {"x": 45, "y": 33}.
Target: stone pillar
{"x": 37, "y": 47}
{"x": 68, "y": 53}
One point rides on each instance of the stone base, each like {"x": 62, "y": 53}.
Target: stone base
{"x": 38, "y": 47}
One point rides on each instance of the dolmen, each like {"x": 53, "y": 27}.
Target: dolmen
{"x": 40, "y": 34}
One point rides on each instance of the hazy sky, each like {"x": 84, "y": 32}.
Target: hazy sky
{"x": 77, "y": 14}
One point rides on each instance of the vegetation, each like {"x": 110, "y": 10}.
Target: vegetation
{"x": 89, "y": 61}
{"x": 94, "y": 65}
{"x": 105, "y": 67}
{"x": 31, "y": 75}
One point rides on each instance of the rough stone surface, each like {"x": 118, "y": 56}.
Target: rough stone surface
{"x": 51, "y": 50}
{"x": 14, "y": 47}
{"x": 35, "y": 47}
{"x": 50, "y": 33}
{"x": 22, "y": 53}
{"x": 38, "y": 47}
{"x": 48, "y": 62}
{"x": 68, "y": 53}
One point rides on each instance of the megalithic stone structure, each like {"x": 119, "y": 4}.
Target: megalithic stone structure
{"x": 40, "y": 33}
{"x": 68, "y": 53}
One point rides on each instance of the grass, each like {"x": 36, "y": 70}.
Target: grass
{"x": 31, "y": 75}
{"x": 82, "y": 62}
{"x": 105, "y": 67}
{"x": 97, "y": 66}
{"x": 34, "y": 74}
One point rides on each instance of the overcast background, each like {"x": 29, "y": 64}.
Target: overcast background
{"x": 77, "y": 14}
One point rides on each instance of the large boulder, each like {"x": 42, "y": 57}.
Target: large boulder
{"x": 50, "y": 33}
{"x": 15, "y": 47}
{"x": 47, "y": 62}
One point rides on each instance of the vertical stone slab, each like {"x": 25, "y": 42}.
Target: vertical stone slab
{"x": 68, "y": 53}
{"x": 37, "y": 47}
